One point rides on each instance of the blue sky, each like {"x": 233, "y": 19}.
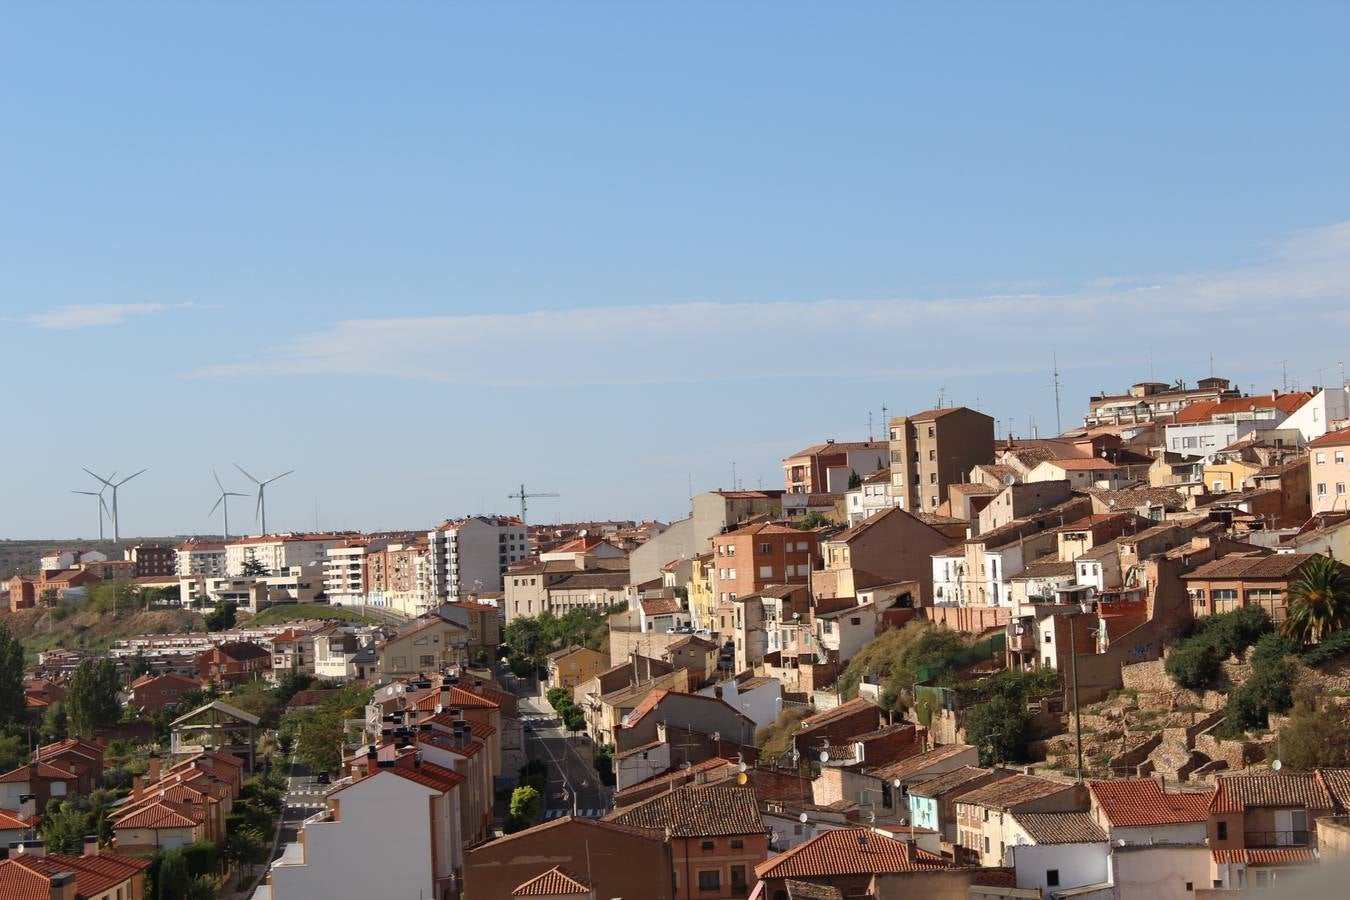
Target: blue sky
{"x": 421, "y": 252}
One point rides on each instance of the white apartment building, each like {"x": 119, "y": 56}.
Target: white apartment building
{"x": 58, "y": 560}
{"x": 297, "y": 584}
{"x": 279, "y": 552}
{"x": 205, "y": 558}
{"x": 344, "y": 571}
{"x": 470, "y": 555}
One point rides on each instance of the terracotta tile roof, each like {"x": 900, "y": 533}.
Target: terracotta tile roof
{"x": 856, "y": 705}
{"x": 41, "y": 769}
{"x": 806, "y": 890}
{"x": 29, "y": 877}
{"x": 161, "y": 813}
{"x": 1337, "y": 783}
{"x": 1278, "y": 566}
{"x": 1239, "y": 792}
{"x": 660, "y": 606}
{"x": 647, "y": 704}
{"x": 1141, "y": 801}
{"x": 841, "y": 447}
{"x": 598, "y": 824}
{"x": 849, "y": 851}
{"x": 947, "y": 782}
{"x": 1013, "y": 791}
{"x": 1083, "y": 464}
{"x": 10, "y": 820}
{"x": 632, "y": 751}
{"x": 1051, "y": 569}
{"x": 697, "y": 810}
{"x": 675, "y": 774}
{"x": 910, "y": 766}
{"x": 1060, "y": 828}
{"x": 1332, "y": 439}
{"x": 553, "y": 883}
{"x": 1274, "y": 856}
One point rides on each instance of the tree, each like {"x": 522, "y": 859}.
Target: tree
{"x": 139, "y": 665}
{"x": 603, "y": 760}
{"x": 525, "y": 804}
{"x": 13, "y": 751}
{"x": 1193, "y": 664}
{"x": 223, "y": 617}
{"x": 202, "y": 887}
{"x": 557, "y": 696}
{"x": 13, "y": 701}
{"x": 252, "y": 568}
{"x": 574, "y": 718}
{"x": 999, "y": 730}
{"x": 173, "y": 881}
{"x": 854, "y": 480}
{"x": 65, "y": 825}
{"x": 1319, "y": 601}
{"x": 92, "y": 698}
{"x": 292, "y": 683}
{"x": 247, "y": 848}
{"x": 813, "y": 520}
{"x": 1315, "y": 737}
{"x": 54, "y": 725}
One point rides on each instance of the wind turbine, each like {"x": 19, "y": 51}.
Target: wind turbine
{"x": 102, "y": 506}
{"x": 224, "y": 500}
{"x": 261, "y": 511}
{"x": 109, "y": 483}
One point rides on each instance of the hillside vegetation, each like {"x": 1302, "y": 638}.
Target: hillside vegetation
{"x": 88, "y": 629}
{"x": 298, "y": 612}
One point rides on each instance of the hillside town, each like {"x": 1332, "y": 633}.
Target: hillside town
{"x": 946, "y": 661}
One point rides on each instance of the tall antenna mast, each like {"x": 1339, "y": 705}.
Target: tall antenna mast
{"x": 1284, "y": 368}
{"x": 1059, "y": 426}
{"x": 870, "y": 433}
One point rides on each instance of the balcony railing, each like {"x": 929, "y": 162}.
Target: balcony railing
{"x": 1275, "y": 838}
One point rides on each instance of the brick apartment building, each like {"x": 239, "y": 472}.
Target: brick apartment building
{"x": 752, "y": 557}
{"x": 933, "y": 449}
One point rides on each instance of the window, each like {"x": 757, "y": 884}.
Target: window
{"x": 932, "y": 455}
{"x": 731, "y": 573}
{"x": 707, "y": 845}
{"x": 1190, "y": 885}
{"x": 1052, "y": 877}
{"x": 1340, "y": 487}
{"x": 1222, "y": 829}
{"x": 766, "y": 548}
{"x": 1048, "y": 637}
{"x": 737, "y": 844}
{"x": 986, "y": 845}
{"x": 710, "y": 880}
{"x": 1321, "y": 490}
{"x": 1340, "y": 457}
{"x": 766, "y": 571}
{"x": 932, "y": 478}
{"x": 1321, "y": 459}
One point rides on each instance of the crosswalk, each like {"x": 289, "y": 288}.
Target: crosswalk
{"x": 537, "y": 718}
{"x": 307, "y": 798}
{"x": 582, "y": 813}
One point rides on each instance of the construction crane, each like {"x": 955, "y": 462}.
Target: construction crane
{"x": 523, "y": 496}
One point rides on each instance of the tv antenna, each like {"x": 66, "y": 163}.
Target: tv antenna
{"x": 1059, "y": 426}
{"x": 102, "y": 505}
{"x": 224, "y": 501}
{"x": 1284, "y": 369}
{"x": 109, "y": 483}
{"x": 523, "y": 495}
{"x": 260, "y": 511}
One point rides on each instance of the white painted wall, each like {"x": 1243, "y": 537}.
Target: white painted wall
{"x": 1078, "y": 864}
{"x": 1160, "y": 873}
{"x": 760, "y": 705}
{"x": 380, "y": 848}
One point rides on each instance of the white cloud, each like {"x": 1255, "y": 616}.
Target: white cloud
{"x": 1110, "y": 319}
{"x": 95, "y": 315}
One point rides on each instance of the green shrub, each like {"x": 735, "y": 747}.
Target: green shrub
{"x": 1332, "y": 647}
{"x": 1193, "y": 664}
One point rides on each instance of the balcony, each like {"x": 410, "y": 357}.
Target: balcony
{"x": 1252, "y": 839}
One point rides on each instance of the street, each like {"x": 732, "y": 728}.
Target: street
{"x": 569, "y": 764}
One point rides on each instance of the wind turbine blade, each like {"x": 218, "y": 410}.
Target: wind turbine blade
{"x": 246, "y": 475}
{"x": 129, "y": 477}
{"x": 235, "y": 494}
{"x": 219, "y": 500}
{"x": 98, "y": 477}
{"x": 279, "y": 477}
{"x": 86, "y": 493}
{"x": 217, "y": 478}
{"x": 104, "y": 503}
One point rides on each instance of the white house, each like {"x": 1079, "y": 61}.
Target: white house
{"x": 844, "y": 632}
{"x": 758, "y": 699}
{"x": 1057, "y": 851}
{"x": 419, "y": 848}
{"x": 1323, "y": 413}
{"x": 1080, "y": 472}
{"x": 280, "y": 552}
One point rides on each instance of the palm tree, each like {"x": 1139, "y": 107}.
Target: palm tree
{"x": 1319, "y": 601}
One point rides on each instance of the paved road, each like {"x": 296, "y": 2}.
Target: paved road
{"x": 569, "y": 764}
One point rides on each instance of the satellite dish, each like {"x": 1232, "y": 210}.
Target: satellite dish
{"x": 742, "y": 778}
{"x": 741, "y": 767}
{"x": 1277, "y": 765}
{"x": 871, "y": 816}
{"x": 824, "y": 756}
{"x": 895, "y": 782}
{"x": 802, "y": 818}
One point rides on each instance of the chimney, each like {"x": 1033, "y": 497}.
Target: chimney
{"x": 137, "y": 787}
{"x": 90, "y": 845}
{"x": 63, "y": 886}
{"x": 445, "y": 692}
{"x": 27, "y": 806}
{"x": 153, "y": 771}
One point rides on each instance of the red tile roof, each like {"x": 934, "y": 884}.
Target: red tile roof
{"x": 849, "y": 851}
{"x": 553, "y": 883}
{"x": 41, "y": 769}
{"x": 161, "y": 812}
{"x": 1274, "y": 856}
{"x": 1236, "y": 793}
{"x": 29, "y": 877}
{"x": 1141, "y": 801}
{"x": 1332, "y": 439}
{"x": 697, "y": 810}
{"x": 1013, "y": 791}
{"x": 856, "y": 705}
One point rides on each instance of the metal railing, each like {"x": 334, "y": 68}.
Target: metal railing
{"x": 1275, "y": 838}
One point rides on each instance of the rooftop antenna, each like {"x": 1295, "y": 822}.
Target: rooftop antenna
{"x": 1211, "y": 364}
{"x": 102, "y": 506}
{"x": 941, "y": 390}
{"x": 224, "y": 501}
{"x": 870, "y": 433}
{"x": 1059, "y": 427}
{"x": 260, "y": 510}
{"x": 523, "y": 495}
{"x": 108, "y": 482}
{"x": 1284, "y": 368}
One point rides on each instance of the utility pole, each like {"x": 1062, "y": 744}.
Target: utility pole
{"x": 1077, "y": 716}
{"x": 1059, "y": 427}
